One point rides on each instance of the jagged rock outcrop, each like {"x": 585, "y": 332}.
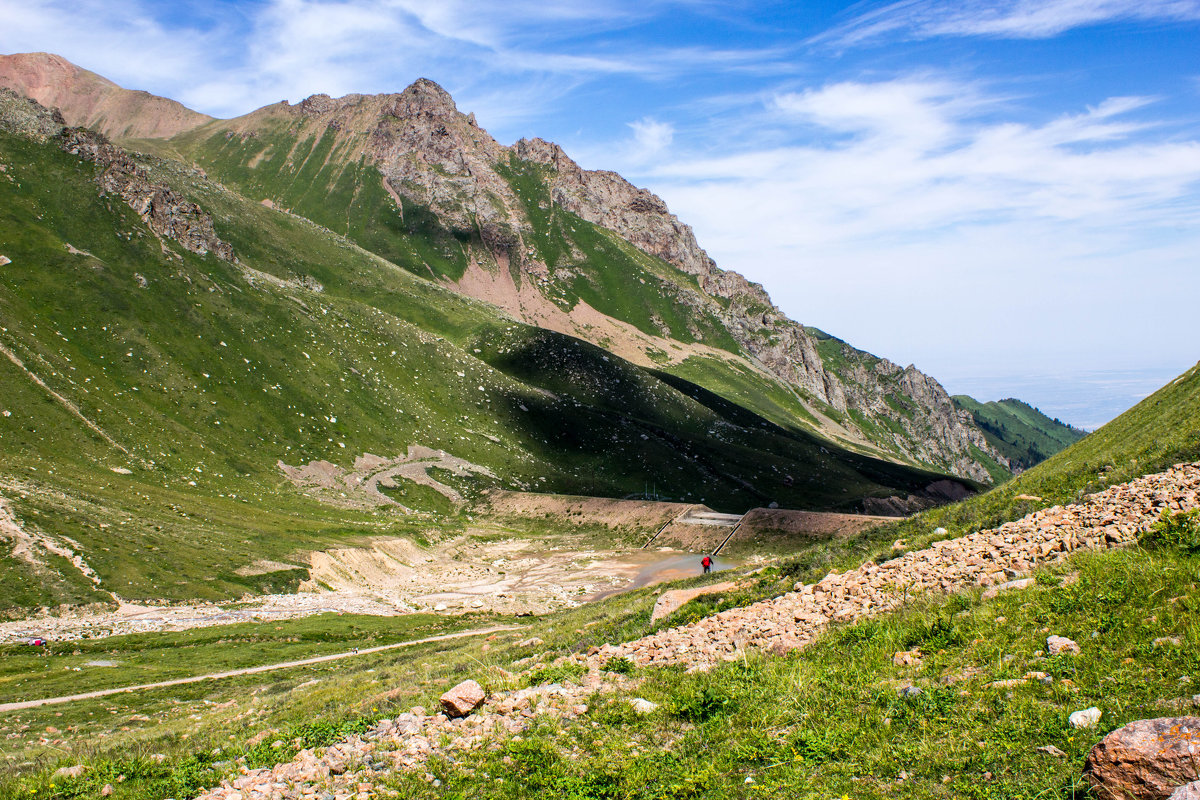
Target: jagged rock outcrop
{"x": 164, "y": 210}
{"x": 439, "y": 158}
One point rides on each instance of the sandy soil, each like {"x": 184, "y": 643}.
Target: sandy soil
{"x": 515, "y": 576}
{"x": 394, "y": 576}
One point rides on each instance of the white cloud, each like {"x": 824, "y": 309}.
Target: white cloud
{"x": 1018, "y": 19}
{"x": 651, "y": 139}
{"x": 914, "y": 217}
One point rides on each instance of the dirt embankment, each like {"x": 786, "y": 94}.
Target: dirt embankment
{"x": 578, "y": 510}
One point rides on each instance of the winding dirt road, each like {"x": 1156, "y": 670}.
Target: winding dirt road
{"x": 49, "y": 701}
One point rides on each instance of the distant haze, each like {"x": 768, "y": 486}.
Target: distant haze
{"x": 1084, "y": 399}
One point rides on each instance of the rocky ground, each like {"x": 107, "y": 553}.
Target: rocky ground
{"x": 994, "y": 558}
{"x": 394, "y": 576}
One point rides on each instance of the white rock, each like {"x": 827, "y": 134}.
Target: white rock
{"x": 1085, "y": 719}
{"x": 1061, "y": 644}
{"x": 643, "y": 706}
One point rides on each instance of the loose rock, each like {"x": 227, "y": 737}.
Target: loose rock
{"x": 1146, "y": 760}
{"x": 1061, "y": 644}
{"x": 463, "y": 699}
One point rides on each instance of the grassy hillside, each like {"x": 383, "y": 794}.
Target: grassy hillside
{"x": 1162, "y": 430}
{"x": 208, "y": 374}
{"x": 324, "y": 173}
{"x": 1022, "y": 433}
{"x": 816, "y": 723}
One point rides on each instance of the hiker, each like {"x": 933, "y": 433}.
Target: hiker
{"x": 707, "y": 564}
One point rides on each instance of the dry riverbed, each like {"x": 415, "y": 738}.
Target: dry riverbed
{"x": 392, "y": 576}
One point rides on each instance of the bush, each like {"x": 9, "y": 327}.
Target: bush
{"x": 560, "y": 674}
{"x": 702, "y": 701}
{"x": 1178, "y": 530}
{"x": 620, "y": 665}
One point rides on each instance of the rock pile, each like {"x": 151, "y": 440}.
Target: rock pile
{"x": 1110, "y": 518}
{"x": 350, "y": 769}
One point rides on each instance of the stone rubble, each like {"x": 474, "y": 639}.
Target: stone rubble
{"x": 1112, "y": 518}
{"x": 351, "y": 768}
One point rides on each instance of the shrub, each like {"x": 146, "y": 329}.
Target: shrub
{"x": 555, "y": 674}
{"x": 620, "y": 665}
{"x": 1177, "y": 530}
{"x": 700, "y": 702}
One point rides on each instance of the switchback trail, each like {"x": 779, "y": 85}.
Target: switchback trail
{"x": 49, "y": 701}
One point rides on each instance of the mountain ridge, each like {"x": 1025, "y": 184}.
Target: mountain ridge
{"x": 485, "y": 199}
{"x": 431, "y": 155}
{"x": 90, "y": 100}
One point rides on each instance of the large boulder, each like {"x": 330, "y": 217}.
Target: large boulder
{"x": 463, "y": 699}
{"x": 1146, "y": 760}
{"x": 1189, "y": 792}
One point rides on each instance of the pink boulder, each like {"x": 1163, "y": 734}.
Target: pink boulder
{"x": 1146, "y": 760}
{"x": 463, "y": 699}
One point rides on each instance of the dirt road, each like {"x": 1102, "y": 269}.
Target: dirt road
{"x": 49, "y": 701}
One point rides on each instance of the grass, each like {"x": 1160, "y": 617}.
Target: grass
{"x": 820, "y": 724}
{"x": 825, "y": 721}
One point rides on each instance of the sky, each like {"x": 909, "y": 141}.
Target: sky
{"x": 1004, "y": 192}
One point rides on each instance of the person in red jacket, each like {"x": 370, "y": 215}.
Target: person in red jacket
{"x": 706, "y": 562}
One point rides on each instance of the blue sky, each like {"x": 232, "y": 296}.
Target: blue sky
{"x": 1004, "y": 192}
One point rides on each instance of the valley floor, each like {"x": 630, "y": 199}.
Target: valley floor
{"x": 925, "y": 674}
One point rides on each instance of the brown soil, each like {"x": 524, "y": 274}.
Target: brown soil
{"x": 495, "y": 285}
{"x": 579, "y": 510}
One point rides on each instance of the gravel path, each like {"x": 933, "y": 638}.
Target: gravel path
{"x": 49, "y": 701}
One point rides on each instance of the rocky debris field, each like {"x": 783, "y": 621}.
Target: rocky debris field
{"x": 1111, "y": 518}
{"x": 137, "y": 618}
{"x": 351, "y": 768}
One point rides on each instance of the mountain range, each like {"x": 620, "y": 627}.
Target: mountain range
{"x": 216, "y": 332}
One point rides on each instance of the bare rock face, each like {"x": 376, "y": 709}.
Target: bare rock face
{"x": 1147, "y": 759}
{"x": 463, "y": 699}
{"x": 167, "y": 213}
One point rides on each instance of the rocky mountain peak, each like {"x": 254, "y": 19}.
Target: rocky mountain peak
{"x": 423, "y": 97}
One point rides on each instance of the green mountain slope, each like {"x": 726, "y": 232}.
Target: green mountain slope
{"x": 151, "y": 393}
{"x": 411, "y": 179}
{"x": 1021, "y": 432}
{"x": 1162, "y": 430}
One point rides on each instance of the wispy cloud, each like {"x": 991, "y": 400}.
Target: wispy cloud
{"x": 515, "y": 58}
{"x": 903, "y": 208}
{"x": 1017, "y": 19}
